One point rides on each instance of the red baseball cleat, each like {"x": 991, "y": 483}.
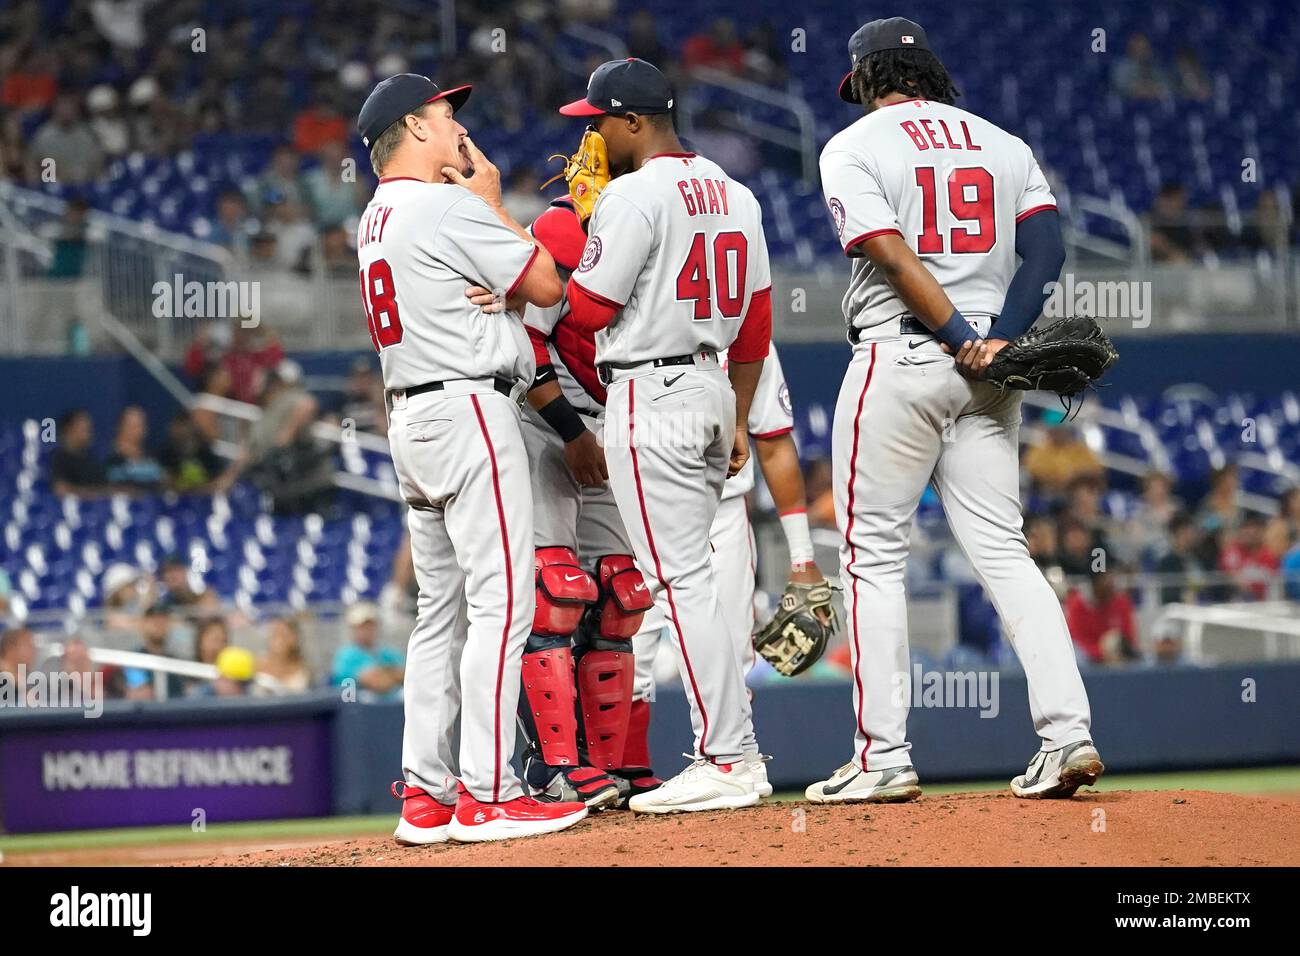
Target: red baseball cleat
{"x": 478, "y": 822}
{"x": 424, "y": 820}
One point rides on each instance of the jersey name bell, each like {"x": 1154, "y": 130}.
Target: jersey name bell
{"x": 678, "y": 246}
{"x": 951, "y": 184}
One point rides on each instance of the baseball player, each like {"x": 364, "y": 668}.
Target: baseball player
{"x": 933, "y": 205}
{"x": 675, "y": 270}
{"x": 454, "y": 379}
{"x": 593, "y": 605}
{"x": 731, "y": 539}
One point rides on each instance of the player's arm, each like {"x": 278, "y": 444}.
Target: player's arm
{"x": 779, "y": 460}
{"x": 539, "y": 282}
{"x": 620, "y": 238}
{"x": 749, "y": 350}
{"x": 582, "y": 452}
{"x": 1041, "y": 249}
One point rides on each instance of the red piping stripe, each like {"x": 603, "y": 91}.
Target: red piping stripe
{"x": 871, "y": 235}
{"x": 1036, "y": 209}
{"x": 610, "y": 303}
{"x": 659, "y": 573}
{"x": 853, "y": 551}
{"x": 773, "y": 434}
{"x": 524, "y": 271}
{"x": 510, "y": 598}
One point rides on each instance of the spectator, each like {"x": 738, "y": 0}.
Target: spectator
{"x": 1191, "y": 80}
{"x": 280, "y": 456}
{"x": 643, "y": 39}
{"x": 1062, "y": 458}
{"x": 1221, "y": 509}
{"x": 1174, "y": 236}
{"x": 319, "y": 124}
{"x": 363, "y": 660}
{"x": 718, "y": 48}
{"x": 17, "y": 656}
{"x": 131, "y": 466}
{"x": 187, "y": 457}
{"x": 75, "y": 659}
{"x": 252, "y": 354}
{"x": 1137, "y": 76}
{"x": 126, "y": 591}
{"x": 1146, "y": 534}
{"x": 70, "y": 244}
{"x": 1040, "y": 535}
{"x": 1249, "y": 559}
{"x": 295, "y": 239}
{"x": 334, "y": 199}
{"x": 1289, "y": 511}
{"x": 338, "y": 258}
{"x": 177, "y": 591}
{"x": 764, "y": 56}
{"x": 233, "y": 227}
{"x": 281, "y": 181}
{"x": 69, "y": 143}
{"x": 1102, "y": 622}
{"x": 1182, "y": 575}
{"x": 107, "y": 122}
{"x": 74, "y": 469}
{"x": 283, "y": 659}
{"x": 363, "y": 399}
{"x": 1076, "y": 553}
{"x": 211, "y": 637}
{"x": 155, "y": 628}
{"x": 521, "y": 196}
{"x": 30, "y": 80}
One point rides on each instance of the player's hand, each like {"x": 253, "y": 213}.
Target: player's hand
{"x": 806, "y": 574}
{"x": 586, "y": 459}
{"x": 739, "y": 452}
{"x": 486, "y": 299}
{"x": 974, "y": 357}
{"x": 485, "y": 178}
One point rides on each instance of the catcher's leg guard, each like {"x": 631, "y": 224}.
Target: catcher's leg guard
{"x": 547, "y": 704}
{"x": 635, "y": 776}
{"x": 606, "y": 674}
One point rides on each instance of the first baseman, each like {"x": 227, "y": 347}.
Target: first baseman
{"x": 933, "y": 205}
{"x": 454, "y": 378}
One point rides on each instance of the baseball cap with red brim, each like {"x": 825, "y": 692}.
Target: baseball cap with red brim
{"x": 624, "y": 86}
{"x": 393, "y": 98}
{"x": 896, "y": 33}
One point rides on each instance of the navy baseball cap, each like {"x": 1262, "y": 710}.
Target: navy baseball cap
{"x": 624, "y": 86}
{"x": 393, "y": 98}
{"x": 896, "y": 33}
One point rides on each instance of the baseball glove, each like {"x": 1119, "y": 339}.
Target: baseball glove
{"x": 800, "y": 629}
{"x": 1065, "y": 357}
{"x": 586, "y": 172}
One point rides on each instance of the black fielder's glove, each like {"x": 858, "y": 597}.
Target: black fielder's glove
{"x": 1065, "y": 357}
{"x": 800, "y": 629}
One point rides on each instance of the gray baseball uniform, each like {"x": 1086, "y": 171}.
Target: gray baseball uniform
{"x": 678, "y": 247}
{"x": 953, "y": 186}
{"x": 462, "y": 468}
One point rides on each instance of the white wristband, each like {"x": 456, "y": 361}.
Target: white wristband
{"x": 798, "y": 537}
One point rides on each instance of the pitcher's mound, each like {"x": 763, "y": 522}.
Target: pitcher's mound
{"x": 1120, "y": 828}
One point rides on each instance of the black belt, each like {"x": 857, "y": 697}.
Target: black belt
{"x": 503, "y": 385}
{"x": 908, "y": 325}
{"x": 606, "y": 370}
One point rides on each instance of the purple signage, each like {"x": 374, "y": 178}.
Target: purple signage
{"x": 112, "y": 776}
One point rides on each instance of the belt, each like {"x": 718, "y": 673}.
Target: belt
{"x": 907, "y": 325}
{"x": 503, "y": 385}
{"x": 606, "y": 369}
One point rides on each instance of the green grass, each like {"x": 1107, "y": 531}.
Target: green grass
{"x": 1261, "y": 780}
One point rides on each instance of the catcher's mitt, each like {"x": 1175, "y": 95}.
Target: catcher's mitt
{"x": 1065, "y": 357}
{"x": 800, "y": 629}
{"x": 586, "y": 172}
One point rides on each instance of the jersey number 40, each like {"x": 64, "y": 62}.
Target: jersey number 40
{"x": 727, "y": 285}
{"x": 970, "y": 199}
{"x": 379, "y": 299}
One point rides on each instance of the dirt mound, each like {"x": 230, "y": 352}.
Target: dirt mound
{"x": 1123, "y": 828}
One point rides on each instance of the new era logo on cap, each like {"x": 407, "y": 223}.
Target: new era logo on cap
{"x": 907, "y": 39}
{"x": 623, "y": 86}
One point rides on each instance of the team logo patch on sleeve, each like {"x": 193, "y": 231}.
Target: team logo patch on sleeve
{"x": 837, "y": 213}
{"x": 783, "y": 396}
{"x": 590, "y": 254}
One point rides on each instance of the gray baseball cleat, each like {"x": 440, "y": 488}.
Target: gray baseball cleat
{"x": 853, "y": 784}
{"x": 1058, "y": 773}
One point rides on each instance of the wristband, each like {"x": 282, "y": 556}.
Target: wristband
{"x": 560, "y": 415}
{"x": 798, "y": 537}
{"x": 545, "y": 373}
{"x": 956, "y": 332}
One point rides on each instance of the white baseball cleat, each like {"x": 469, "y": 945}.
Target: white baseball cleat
{"x": 1058, "y": 773}
{"x": 853, "y": 784}
{"x": 701, "y": 786}
{"x": 757, "y": 764}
